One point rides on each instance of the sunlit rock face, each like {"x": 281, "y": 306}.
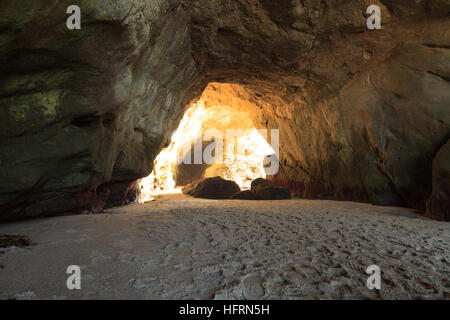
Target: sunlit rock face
{"x": 363, "y": 115}
{"x": 216, "y": 137}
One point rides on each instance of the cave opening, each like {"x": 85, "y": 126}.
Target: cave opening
{"x": 216, "y": 137}
{"x": 335, "y": 114}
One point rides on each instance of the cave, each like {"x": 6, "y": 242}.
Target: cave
{"x": 348, "y": 125}
{"x": 216, "y": 137}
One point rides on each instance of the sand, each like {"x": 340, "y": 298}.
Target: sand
{"x": 184, "y": 248}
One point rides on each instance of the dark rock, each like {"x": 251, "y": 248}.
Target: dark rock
{"x": 66, "y": 97}
{"x": 245, "y": 195}
{"x": 438, "y": 206}
{"x": 260, "y": 183}
{"x": 212, "y": 188}
{"x": 185, "y": 174}
{"x": 265, "y": 189}
{"x": 13, "y": 240}
{"x": 273, "y": 193}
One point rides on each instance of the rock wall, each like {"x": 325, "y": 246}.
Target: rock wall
{"x": 363, "y": 115}
{"x": 84, "y": 112}
{"x": 438, "y": 205}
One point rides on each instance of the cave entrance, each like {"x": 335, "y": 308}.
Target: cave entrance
{"x": 216, "y": 137}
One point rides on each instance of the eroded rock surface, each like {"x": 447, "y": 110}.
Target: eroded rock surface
{"x": 212, "y": 188}
{"x": 244, "y": 195}
{"x": 362, "y": 114}
{"x": 439, "y": 203}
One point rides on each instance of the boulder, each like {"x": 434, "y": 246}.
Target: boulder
{"x": 261, "y": 183}
{"x": 263, "y": 189}
{"x": 273, "y": 193}
{"x": 245, "y": 195}
{"x": 15, "y": 240}
{"x": 212, "y": 188}
{"x": 438, "y": 205}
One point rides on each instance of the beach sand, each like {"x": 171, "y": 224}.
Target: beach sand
{"x": 179, "y": 247}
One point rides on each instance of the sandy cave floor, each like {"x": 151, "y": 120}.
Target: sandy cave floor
{"x": 185, "y": 248}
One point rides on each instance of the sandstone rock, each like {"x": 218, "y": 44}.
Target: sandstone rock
{"x": 245, "y": 195}
{"x": 263, "y": 189}
{"x": 212, "y": 188}
{"x": 18, "y": 241}
{"x": 266, "y": 190}
{"x": 73, "y": 103}
{"x": 438, "y": 206}
{"x": 261, "y": 183}
{"x": 83, "y": 113}
{"x": 273, "y": 193}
